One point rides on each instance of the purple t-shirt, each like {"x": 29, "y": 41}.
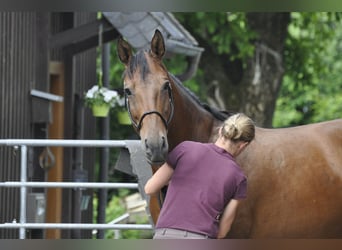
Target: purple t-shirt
{"x": 205, "y": 179}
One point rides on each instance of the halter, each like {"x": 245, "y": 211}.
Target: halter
{"x": 139, "y": 124}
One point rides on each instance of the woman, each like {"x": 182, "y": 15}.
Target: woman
{"x": 205, "y": 184}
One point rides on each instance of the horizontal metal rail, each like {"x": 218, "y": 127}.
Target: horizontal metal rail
{"x": 23, "y": 184}
{"x": 76, "y": 226}
{"x": 63, "y": 143}
{"x": 105, "y": 185}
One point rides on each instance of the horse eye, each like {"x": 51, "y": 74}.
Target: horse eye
{"x": 166, "y": 86}
{"x": 127, "y": 91}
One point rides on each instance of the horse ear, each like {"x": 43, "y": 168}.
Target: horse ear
{"x": 158, "y": 45}
{"x": 124, "y": 51}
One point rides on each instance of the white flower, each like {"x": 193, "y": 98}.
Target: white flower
{"x": 103, "y": 95}
{"x": 91, "y": 92}
{"x": 109, "y": 95}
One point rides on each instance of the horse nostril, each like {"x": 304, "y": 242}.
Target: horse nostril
{"x": 146, "y": 144}
{"x": 163, "y": 142}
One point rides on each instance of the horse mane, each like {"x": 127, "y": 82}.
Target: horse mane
{"x": 218, "y": 114}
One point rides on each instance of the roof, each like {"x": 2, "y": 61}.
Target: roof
{"x": 138, "y": 29}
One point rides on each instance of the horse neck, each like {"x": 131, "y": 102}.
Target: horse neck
{"x": 190, "y": 121}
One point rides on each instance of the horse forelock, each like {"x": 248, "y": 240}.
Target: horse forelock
{"x": 139, "y": 63}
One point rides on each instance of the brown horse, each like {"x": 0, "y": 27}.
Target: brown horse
{"x": 294, "y": 174}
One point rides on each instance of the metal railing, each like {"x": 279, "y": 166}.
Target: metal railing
{"x": 23, "y": 184}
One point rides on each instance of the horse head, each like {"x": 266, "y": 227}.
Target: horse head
{"x": 148, "y": 96}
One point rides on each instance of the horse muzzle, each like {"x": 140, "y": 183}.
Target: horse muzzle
{"x": 156, "y": 150}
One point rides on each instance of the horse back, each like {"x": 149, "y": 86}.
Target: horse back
{"x": 294, "y": 183}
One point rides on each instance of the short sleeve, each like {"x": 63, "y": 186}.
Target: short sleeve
{"x": 241, "y": 190}
{"x": 174, "y": 156}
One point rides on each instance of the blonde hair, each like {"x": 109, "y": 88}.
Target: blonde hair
{"x": 238, "y": 127}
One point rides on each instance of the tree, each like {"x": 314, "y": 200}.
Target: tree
{"x": 242, "y": 66}
{"x": 248, "y": 57}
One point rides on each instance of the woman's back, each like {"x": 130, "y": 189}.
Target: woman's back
{"x": 205, "y": 179}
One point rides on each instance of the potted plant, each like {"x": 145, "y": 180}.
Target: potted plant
{"x": 100, "y": 99}
{"x": 123, "y": 116}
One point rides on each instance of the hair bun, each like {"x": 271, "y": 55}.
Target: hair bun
{"x": 238, "y": 127}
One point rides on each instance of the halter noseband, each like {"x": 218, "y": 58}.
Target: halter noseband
{"x": 139, "y": 124}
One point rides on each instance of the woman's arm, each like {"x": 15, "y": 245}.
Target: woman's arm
{"x": 227, "y": 218}
{"x": 160, "y": 179}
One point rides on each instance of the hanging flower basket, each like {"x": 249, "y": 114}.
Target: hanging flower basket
{"x": 123, "y": 117}
{"x": 100, "y": 99}
{"x": 100, "y": 110}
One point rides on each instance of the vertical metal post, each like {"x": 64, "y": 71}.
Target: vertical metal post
{"x": 78, "y": 169}
{"x": 23, "y": 190}
{"x": 105, "y": 134}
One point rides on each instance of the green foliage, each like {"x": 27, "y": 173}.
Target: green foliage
{"x": 222, "y": 33}
{"x": 115, "y": 209}
{"x": 311, "y": 86}
{"x": 227, "y": 33}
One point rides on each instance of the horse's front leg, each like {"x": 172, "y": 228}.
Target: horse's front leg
{"x": 156, "y": 201}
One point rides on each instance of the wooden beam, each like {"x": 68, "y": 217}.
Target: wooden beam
{"x": 93, "y": 42}
{"x": 56, "y": 131}
{"x": 81, "y": 34}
